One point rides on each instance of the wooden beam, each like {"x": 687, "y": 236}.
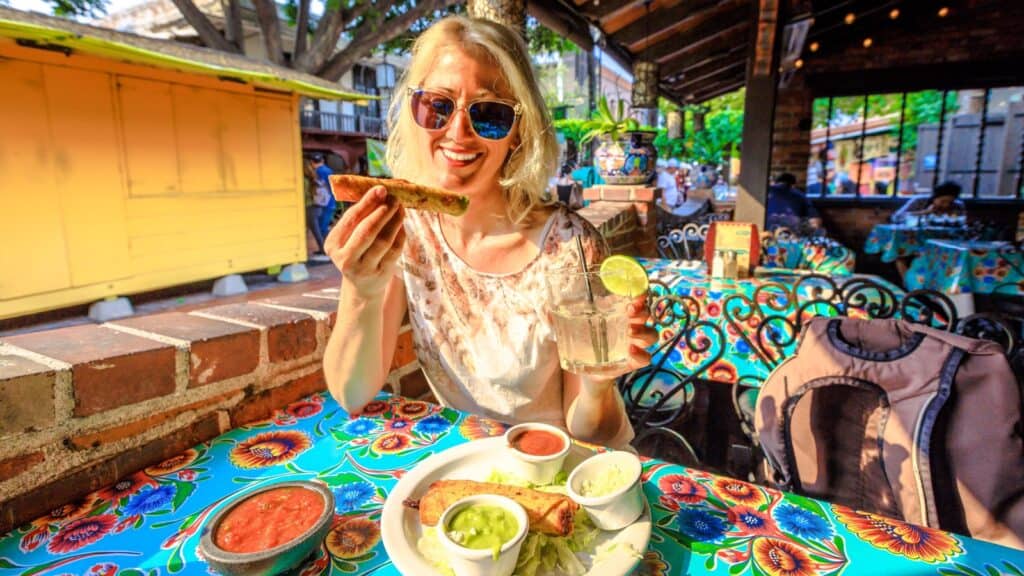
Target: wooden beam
{"x": 563, "y": 22}
{"x": 714, "y": 74}
{"x": 708, "y": 31}
{"x": 739, "y": 50}
{"x": 759, "y": 114}
{"x": 567, "y": 13}
{"x": 690, "y": 55}
{"x": 671, "y": 22}
{"x": 608, "y": 8}
{"x": 717, "y": 90}
{"x": 697, "y": 73}
{"x": 634, "y": 14}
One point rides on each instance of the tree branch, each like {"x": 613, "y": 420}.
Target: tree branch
{"x": 301, "y": 29}
{"x": 325, "y": 38}
{"x": 270, "y": 25}
{"x": 368, "y": 37}
{"x": 233, "y": 24}
{"x": 208, "y": 33}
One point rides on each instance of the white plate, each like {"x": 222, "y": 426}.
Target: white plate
{"x": 400, "y": 526}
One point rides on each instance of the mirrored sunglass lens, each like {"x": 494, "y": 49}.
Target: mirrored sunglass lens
{"x": 431, "y": 111}
{"x": 492, "y": 120}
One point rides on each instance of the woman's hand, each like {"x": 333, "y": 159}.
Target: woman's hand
{"x": 367, "y": 242}
{"x": 641, "y": 336}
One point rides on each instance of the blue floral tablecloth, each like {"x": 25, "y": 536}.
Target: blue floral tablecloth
{"x": 737, "y": 308}
{"x": 894, "y": 241}
{"x": 956, "y": 267}
{"x": 821, "y": 256}
{"x": 148, "y": 523}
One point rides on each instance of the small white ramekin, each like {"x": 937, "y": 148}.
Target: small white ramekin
{"x": 472, "y": 562}
{"x": 536, "y": 469}
{"x": 618, "y": 509}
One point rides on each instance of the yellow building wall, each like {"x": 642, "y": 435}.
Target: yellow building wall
{"x": 117, "y": 179}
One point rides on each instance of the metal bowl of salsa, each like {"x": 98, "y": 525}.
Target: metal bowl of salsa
{"x": 269, "y": 530}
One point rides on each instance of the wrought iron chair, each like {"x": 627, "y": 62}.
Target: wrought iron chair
{"x": 686, "y": 243}
{"x": 659, "y": 398}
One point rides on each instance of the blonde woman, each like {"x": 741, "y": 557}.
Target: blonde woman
{"x": 468, "y": 117}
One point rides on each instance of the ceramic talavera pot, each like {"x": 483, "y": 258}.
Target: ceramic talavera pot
{"x": 627, "y": 160}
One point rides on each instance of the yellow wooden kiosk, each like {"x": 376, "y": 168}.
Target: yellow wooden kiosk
{"x": 129, "y": 164}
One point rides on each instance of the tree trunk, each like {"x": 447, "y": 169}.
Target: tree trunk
{"x": 325, "y": 38}
{"x": 369, "y": 37}
{"x": 208, "y": 33}
{"x": 301, "y": 26}
{"x": 270, "y": 25}
{"x": 233, "y": 24}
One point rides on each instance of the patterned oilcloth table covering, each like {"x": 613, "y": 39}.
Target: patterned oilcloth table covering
{"x": 738, "y": 358}
{"x": 956, "y": 267}
{"x": 894, "y": 241}
{"x": 149, "y": 523}
{"x": 822, "y": 256}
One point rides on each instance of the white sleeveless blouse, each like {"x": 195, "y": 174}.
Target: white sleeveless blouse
{"x": 484, "y": 340}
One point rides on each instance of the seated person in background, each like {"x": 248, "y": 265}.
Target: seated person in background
{"x": 944, "y": 200}
{"x": 787, "y": 207}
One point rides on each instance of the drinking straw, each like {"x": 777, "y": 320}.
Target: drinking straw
{"x": 598, "y": 334}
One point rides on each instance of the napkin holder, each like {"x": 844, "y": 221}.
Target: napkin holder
{"x": 739, "y": 237}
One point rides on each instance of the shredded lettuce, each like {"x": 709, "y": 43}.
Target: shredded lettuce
{"x": 430, "y": 547}
{"x": 502, "y": 477}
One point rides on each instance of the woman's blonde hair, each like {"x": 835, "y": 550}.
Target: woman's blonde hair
{"x": 525, "y": 174}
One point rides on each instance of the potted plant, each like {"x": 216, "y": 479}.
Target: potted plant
{"x": 626, "y": 154}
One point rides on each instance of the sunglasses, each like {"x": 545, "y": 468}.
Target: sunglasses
{"x": 490, "y": 119}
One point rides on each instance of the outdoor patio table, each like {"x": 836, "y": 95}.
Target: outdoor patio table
{"x": 822, "y": 256}
{"x": 961, "y": 267}
{"x": 894, "y": 241}
{"x": 722, "y": 303}
{"x": 149, "y": 523}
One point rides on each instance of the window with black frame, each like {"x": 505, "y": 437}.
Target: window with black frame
{"x": 903, "y": 144}
{"x": 364, "y": 80}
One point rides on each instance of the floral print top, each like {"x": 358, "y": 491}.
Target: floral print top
{"x": 484, "y": 340}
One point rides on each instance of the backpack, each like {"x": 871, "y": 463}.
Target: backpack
{"x": 901, "y": 420}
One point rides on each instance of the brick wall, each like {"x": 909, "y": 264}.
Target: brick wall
{"x": 625, "y": 216}
{"x": 975, "y": 32}
{"x": 81, "y": 407}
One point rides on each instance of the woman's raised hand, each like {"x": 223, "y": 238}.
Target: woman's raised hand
{"x": 641, "y": 336}
{"x": 367, "y": 242}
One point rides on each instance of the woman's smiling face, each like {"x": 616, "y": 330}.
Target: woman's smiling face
{"x": 459, "y": 159}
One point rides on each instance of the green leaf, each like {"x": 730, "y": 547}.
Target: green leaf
{"x": 139, "y": 521}
{"x": 5, "y": 563}
{"x": 177, "y": 560}
{"x": 737, "y": 568}
{"x": 967, "y": 569}
{"x": 992, "y": 571}
{"x": 185, "y": 490}
{"x": 1013, "y": 568}
{"x": 709, "y": 564}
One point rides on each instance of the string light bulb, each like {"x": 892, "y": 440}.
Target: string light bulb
{"x": 799, "y": 63}
{"x": 943, "y": 12}
{"x": 894, "y": 13}
{"x": 814, "y": 46}
{"x": 868, "y": 42}
{"x": 850, "y": 18}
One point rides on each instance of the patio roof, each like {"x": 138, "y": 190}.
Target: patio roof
{"x": 701, "y": 46}
{"x": 47, "y": 32}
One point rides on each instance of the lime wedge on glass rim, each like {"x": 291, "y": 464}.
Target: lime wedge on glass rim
{"x": 623, "y": 275}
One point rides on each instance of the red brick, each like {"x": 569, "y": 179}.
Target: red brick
{"x": 645, "y": 194}
{"x": 290, "y": 335}
{"x": 11, "y": 467}
{"x": 592, "y": 194}
{"x": 26, "y": 395}
{"x": 109, "y": 368}
{"x": 615, "y": 194}
{"x": 217, "y": 350}
{"x": 405, "y": 352}
{"x": 78, "y": 483}
{"x": 263, "y": 405}
{"x": 137, "y": 427}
